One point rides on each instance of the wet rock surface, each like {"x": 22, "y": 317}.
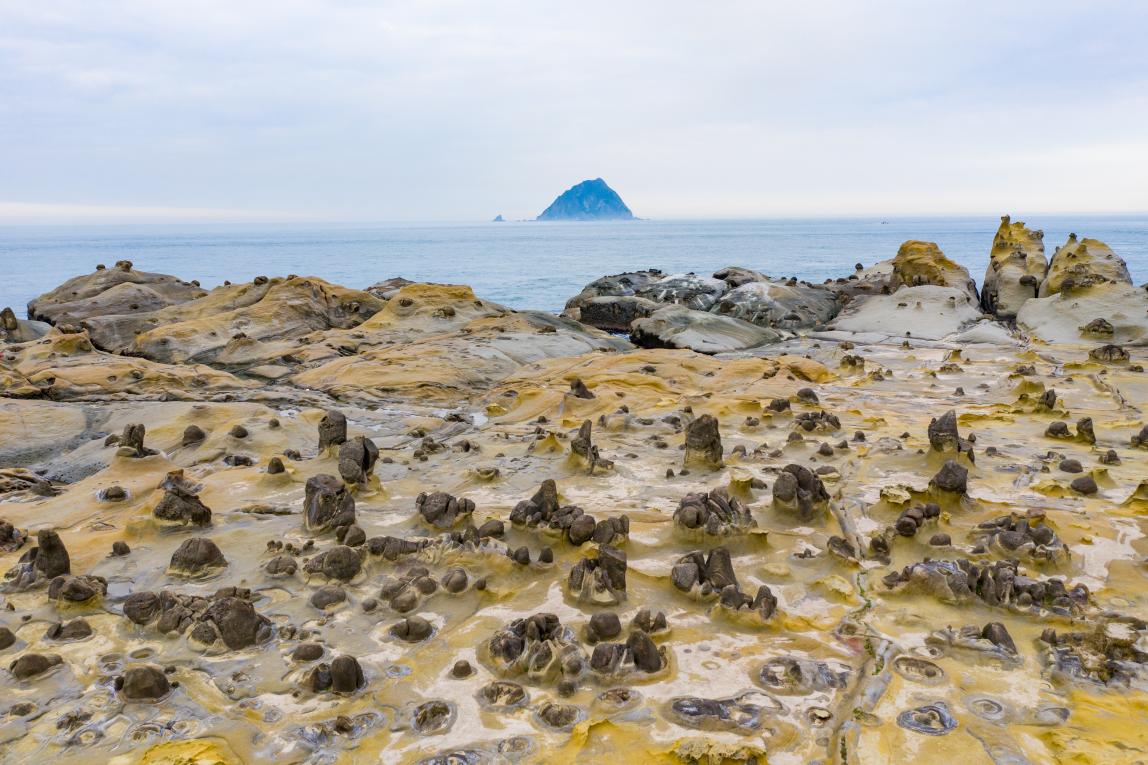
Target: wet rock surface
{"x": 428, "y": 526}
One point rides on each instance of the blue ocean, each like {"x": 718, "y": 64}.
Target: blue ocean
{"x": 519, "y": 264}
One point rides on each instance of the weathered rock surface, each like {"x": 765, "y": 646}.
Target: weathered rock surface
{"x": 922, "y": 263}
{"x": 440, "y": 634}
{"x": 679, "y": 327}
{"x": 276, "y": 309}
{"x": 120, "y": 290}
{"x": 1068, "y": 316}
{"x": 779, "y": 305}
{"x": 1016, "y": 269}
{"x": 924, "y": 312}
{"x": 1082, "y": 263}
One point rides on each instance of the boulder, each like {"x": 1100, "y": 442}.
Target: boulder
{"x": 690, "y": 290}
{"x": 144, "y": 683}
{"x": 679, "y": 327}
{"x": 612, "y": 313}
{"x": 180, "y": 503}
{"x": 787, "y": 305}
{"x": 327, "y": 504}
{"x": 196, "y": 556}
{"x": 357, "y": 459}
{"x": 703, "y": 443}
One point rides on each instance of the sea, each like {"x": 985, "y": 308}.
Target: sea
{"x": 519, "y": 264}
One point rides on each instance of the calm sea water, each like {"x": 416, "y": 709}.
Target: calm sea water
{"x": 523, "y": 265}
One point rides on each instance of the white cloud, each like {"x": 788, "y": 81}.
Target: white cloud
{"x": 446, "y": 109}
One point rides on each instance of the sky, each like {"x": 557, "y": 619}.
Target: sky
{"x": 427, "y": 110}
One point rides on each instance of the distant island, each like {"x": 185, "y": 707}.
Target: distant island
{"x": 499, "y": 219}
{"x": 589, "y": 200}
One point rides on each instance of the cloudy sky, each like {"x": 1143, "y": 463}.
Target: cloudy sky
{"x": 367, "y": 110}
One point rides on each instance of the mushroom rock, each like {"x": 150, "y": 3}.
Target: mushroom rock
{"x": 714, "y": 512}
{"x": 703, "y": 443}
{"x": 32, "y": 665}
{"x": 46, "y": 561}
{"x": 180, "y": 503}
{"x": 327, "y": 504}
{"x": 132, "y": 441}
{"x": 236, "y": 622}
{"x": 800, "y": 491}
{"x": 600, "y": 580}
{"x": 1016, "y": 269}
{"x": 346, "y": 675}
{"x": 944, "y": 437}
{"x": 11, "y": 538}
{"x": 77, "y": 589}
{"x": 584, "y": 451}
{"x": 332, "y": 429}
{"x": 442, "y": 510}
{"x": 340, "y": 562}
{"x": 357, "y": 459}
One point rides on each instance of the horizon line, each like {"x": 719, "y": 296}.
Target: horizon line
{"x": 637, "y": 220}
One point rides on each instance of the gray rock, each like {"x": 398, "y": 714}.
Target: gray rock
{"x": 195, "y": 556}
{"x": 357, "y": 459}
{"x": 699, "y": 293}
{"x": 679, "y": 327}
{"x": 327, "y": 504}
{"x": 951, "y": 478}
{"x": 180, "y": 503}
{"x": 703, "y": 443}
{"x": 33, "y": 664}
{"x": 332, "y": 429}
{"x": 144, "y": 683}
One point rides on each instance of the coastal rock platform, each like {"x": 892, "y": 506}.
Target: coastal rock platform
{"x": 730, "y": 518}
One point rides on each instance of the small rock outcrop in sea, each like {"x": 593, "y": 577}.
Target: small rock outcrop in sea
{"x": 589, "y": 200}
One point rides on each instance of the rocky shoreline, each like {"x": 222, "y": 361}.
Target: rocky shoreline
{"x": 691, "y": 519}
